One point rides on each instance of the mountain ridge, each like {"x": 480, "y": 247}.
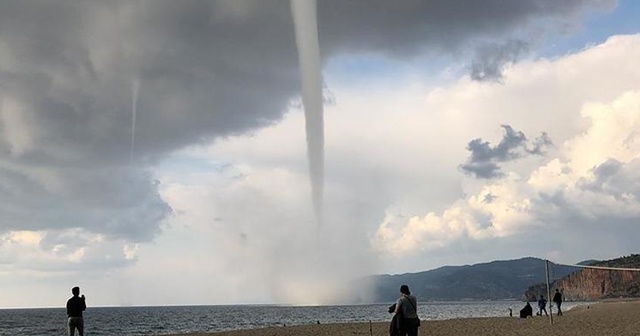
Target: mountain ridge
{"x": 493, "y": 280}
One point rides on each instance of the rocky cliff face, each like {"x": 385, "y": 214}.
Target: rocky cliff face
{"x": 595, "y": 284}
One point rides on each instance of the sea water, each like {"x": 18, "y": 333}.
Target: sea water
{"x": 188, "y": 319}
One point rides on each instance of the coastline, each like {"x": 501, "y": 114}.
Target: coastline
{"x": 619, "y": 317}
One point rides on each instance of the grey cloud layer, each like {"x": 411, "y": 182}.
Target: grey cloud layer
{"x": 405, "y": 27}
{"x": 206, "y": 69}
{"x": 203, "y": 72}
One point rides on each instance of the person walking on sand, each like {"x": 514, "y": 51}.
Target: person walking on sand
{"x": 542, "y": 304}
{"x": 557, "y": 299}
{"x": 75, "y": 306}
{"x": 407, "y": 306}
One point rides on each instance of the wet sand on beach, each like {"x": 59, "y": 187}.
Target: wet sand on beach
{"x": 600, "y": 319}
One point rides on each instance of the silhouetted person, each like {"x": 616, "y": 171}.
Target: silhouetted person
{"x": 407, "y": 307}
{"x": 526, "y": 311}
{"x": 557, "y": 299}
{"x": 542, "y": 304}
{"x": 75, "y": 306}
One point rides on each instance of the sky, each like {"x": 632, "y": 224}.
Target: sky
{"x": 155, "y": 152}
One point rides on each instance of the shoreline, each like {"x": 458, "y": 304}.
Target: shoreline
{"x": 606, "y": 317}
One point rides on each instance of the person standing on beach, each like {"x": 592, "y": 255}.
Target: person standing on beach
{"x": 407, "y": 306}
{"x": 557, "y": 299}
{"x": 542, "y": 304}
{"x": 75, "y": 306}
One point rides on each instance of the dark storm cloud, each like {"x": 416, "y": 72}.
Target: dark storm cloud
{"x": 403, "y": 28}
{"x": 66, "y": 87}
{"x": 492, "y": 58}
{"x": 206, "y": 69}
{"x": 484, "y": 159}
{"x": 118, "y": 203}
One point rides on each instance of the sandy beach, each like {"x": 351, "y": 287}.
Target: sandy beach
{"x": 600, "y": 319}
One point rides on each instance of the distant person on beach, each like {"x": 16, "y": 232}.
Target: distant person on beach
{"x": 75, "y": 306}
{"x": 526, "y": 311}
{"x": 407, "y": 308}
{"x": 394, "y": 326}
{"x": 557, "y": 299}
{"x": 542, "y": 304}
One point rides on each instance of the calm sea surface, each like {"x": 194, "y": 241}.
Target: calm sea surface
{"x": 185, "y": 319}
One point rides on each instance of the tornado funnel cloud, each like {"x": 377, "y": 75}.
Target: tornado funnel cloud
{"x": 306, "y": 32}
{"x": 135, "y": 88}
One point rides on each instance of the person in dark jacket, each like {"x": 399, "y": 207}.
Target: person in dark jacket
{"x": 394, "y": 326}
{"x": 75, "y": 306}
{"x": 526, "y": 311}
{"x": 557, "y": 299}
{"x": 542, "y": 305}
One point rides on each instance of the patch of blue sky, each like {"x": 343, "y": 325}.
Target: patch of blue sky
{"x": 383, "y": 72}
{"x": 597, "y": 27}
{"x": 361, "y": 69}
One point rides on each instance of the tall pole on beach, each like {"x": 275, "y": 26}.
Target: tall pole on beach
{"x": 546, "y": 270}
